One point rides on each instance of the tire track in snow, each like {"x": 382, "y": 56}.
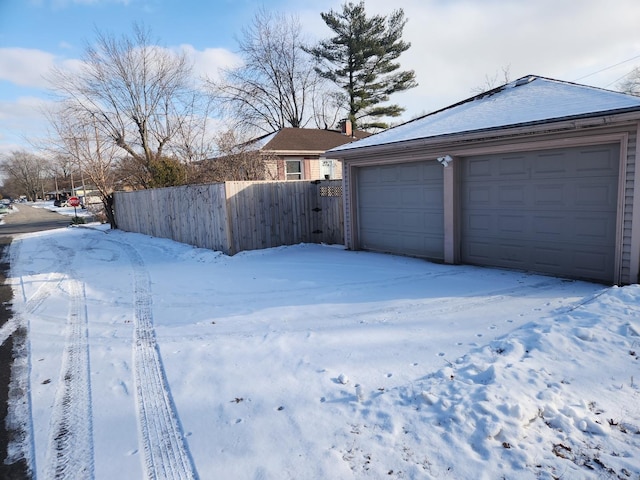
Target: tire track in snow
{"x": 19, "y": 416}
{"x": 165, "y": 452}
{"x": 442, "y": 306}
{"x": 49, "y": 285}
{"x": 70, "y": 452}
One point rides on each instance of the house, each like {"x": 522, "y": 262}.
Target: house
{"x": 538, "y": 175}
{"x": 299, "y": 153}
{"x": 88, "y": 195}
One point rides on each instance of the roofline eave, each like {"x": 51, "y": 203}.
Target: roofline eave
{"x": 294, "y": 153}
{"x": 561, "y": 123}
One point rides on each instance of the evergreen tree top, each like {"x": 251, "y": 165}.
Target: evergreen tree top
{"x": 361, "y": 59}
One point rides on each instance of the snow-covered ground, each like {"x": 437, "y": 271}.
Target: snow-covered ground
{"x": 153, "y": 359}
{"x": 86, "y": 213}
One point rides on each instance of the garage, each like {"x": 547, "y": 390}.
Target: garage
{"x": 546, "y": 211}
{"x": 538, "y": 175}
{"x": 401, "y": 209}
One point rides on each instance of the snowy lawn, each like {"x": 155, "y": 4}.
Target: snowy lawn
{"x": 153, "y": 359}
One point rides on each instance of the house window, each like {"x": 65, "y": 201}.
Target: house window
{"x": 294, "y": 169}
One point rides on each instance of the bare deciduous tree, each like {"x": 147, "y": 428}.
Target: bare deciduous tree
{"x": 328, "y": 105}
{"x": 237, "y": 160}
{"x": 82, "y": 142}
{"x": 60, "y": 169}
{"x": 491, "y": 82}
{"x": 26, "y": 171}
{"x": 275, "y": 86}
{"x": 138, "y": 95}
{"x": 631, "y": 82}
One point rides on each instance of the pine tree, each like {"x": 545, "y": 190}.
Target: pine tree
{"x": 361, "y": 60}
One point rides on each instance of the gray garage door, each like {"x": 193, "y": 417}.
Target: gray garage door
{"x": 400, "y": 209}
{"x": 548, "y": 211}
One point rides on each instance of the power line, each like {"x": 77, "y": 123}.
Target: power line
{"x": 607, "y": 68}
{"x": 616, "y": 80}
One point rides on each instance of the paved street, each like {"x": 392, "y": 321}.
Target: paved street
{"x": 29, "y": 219}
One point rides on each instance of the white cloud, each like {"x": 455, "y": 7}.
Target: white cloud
{"x": 25, "y": 67}
{"x": 29, "y": 68}
{"x": 21, "y": 122}
{"x": 208, "y": 62}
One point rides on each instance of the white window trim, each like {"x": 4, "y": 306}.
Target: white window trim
{"x": 301, "y": 173}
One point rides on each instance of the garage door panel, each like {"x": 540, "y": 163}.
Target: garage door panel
{"x": 550, "y": 164}
{"x": 479, "y": 223}
{"x": 386, "y": 218}
{"x": 422, "y": 195}
{"x": 380, "y": 197}
{"x": 512, "y": 254}
{"x": 409, "y": 174}
{"x": 596, "y": 195}
{"x": 561, "y": 220}
{"x": 595, "y": 229}
{"x": 502, "y": 254}
{"x": 479, "y": 168}
{"x": 479, "y": 195}
{"x": 418, "y": 221}
{"x": 514, "y": 166}
{"x": 368, "y": 176}
{"x": 388, "y": 174}
{"x": 549, "y": 227}
{"x": 408, "y": 243}
{"x": 434, "y": 195}
{"x": 546, "y": 195}
{"x": 412, "y": 243}
{"x": 400, "y": 209}
{"x": 512, "y": 195}
{"x": 591, "y": 262}
{"x": 431, "y": 172}
{"x": 481, "y": 252}
{"x": 599, "y": 161}
{"x": 513, "y": 224}
{"x": 548, "y": 258}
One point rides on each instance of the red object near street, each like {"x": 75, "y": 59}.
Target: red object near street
{"x": 74, "y": 201}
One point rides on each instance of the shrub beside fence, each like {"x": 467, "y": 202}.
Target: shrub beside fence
{"x": 236, "y": 216}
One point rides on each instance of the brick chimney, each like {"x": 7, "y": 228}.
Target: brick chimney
{"x": 345, "y": 126}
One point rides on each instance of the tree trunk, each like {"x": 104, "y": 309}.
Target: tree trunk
{"x": 108, "y": 209}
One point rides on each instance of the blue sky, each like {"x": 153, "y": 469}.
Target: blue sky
{"x": 456, "y": 44}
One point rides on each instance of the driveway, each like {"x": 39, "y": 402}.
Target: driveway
{"x": 153, "y": 359}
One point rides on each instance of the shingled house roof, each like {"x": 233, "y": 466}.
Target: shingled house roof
{"x": 307, "y": 140}
{"x": 530, "y": 100}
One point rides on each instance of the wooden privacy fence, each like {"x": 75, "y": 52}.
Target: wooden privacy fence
{"x": 234, "y": 216}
